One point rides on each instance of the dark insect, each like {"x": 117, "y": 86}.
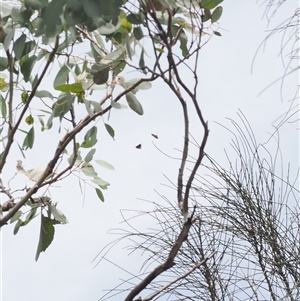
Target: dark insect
{"x": 139, "y": 146}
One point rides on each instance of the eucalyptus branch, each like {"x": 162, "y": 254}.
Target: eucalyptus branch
{"x": 30, "y": 97}
{"x": 4, "y": 190}
{"x": 61, "y": 147}
{"x": 8, "y": 204}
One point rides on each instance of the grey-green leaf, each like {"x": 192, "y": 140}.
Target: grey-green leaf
{"x": 3, "y": 106}
{"x": 90, "y": 138}
{"x": 105, "y": 164}
{"x": 43, "y": 93}
{"x": 8, "y": 38}
{"x": 17, "y": 226}
{"x": 61, "y": 77}
{"x": 57, "y": 214}
{"x": 210, "y": 4}
{"x": 117, "y": 105}
{"x": 110, "y": 130}
{"x": 3, "y": 63}
{"x": 62, "y": 105}
{"x": 89, "y": 157}
{"x": 27, "y": 66}
{"x": 46, "y": 235}
{"x": 100, "y": 194}
{"x": 29, "y": 139}
{"x": 134, "y": 104}
{"x": 138, "y": 33}
{"x": 16, "y": 216}
{"x": 19, "y": 46}
{"x": 88, "y": 170}
{"x": 142, "y": 62}
{"x": 217, "y": 13}
{"x": 103, "y": 184}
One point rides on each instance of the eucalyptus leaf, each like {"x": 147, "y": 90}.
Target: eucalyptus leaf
{"x": 19, "y": 45}
{"x": 96, "y": 105}
{"x": 3, "y": 107}
{"x": 103, "y": 184}
{"x": 135, "y": 18}
{"x": 217, "y": 13}
{"x": 110, "y": 130}
{"x": 21, "y": 16}
{"x": 138, "y": 33}
{"x": 97, "y": 53}
{"x": 62, "y": 75}
{"x": 74, "y": 13}
{"x": 57, "y": 214}
{"x": 31, "y": 215}
{"x": 62, "y": 105}
{"x": 43, "y": 93}
{"x": 19, "y": 224}
{"x": 90, "y": 138}
{"x": 89, "y": 157}
{"x": 183, "y": 43}
{"x": 29, "y": 140}
{"x": 104, "y": 164}
{"x": 142, "y": 62}
{"x": 8, "y": 38}
{"x": 108, "y": 28}
{"x": 51, "y": 21}
{"x": 27, "y": 66}
{"x": 88, "y": 108}
{"x": 88, "y": 170}
{"x": 16, "y": 216}
{"x": 210, "y": 4}
{"x": 117, "y": 105}
{"x": 99, "y": 194}
{"x": 112, "y": 56}
{"x": 46, "y": 235}
{"x": 3, "y": 63}
{"x": 134, "y": 104}
{"x": 28, "y": 47}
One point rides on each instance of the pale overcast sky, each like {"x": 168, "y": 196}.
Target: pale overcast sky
{"x": 64, "y": 271}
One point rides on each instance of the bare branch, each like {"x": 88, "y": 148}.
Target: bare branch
{"x": 179, "y": 278}
{"x": 165, "y": 266}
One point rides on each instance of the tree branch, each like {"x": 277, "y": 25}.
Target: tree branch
{"x": 166, "y": 265}
{"x": 32, "y": 94}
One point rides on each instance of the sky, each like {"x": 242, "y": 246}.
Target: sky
{"x": 228, "y": 83}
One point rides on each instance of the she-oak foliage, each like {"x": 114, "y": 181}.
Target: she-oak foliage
{"x": 36, "y": 35}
